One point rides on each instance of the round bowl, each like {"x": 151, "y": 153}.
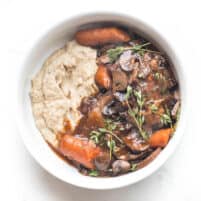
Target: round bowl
{"x": 55, "y": 38}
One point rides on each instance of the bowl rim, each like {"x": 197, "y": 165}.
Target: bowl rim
{"x": 103, "y": 184}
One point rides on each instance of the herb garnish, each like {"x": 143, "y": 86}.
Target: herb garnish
{"x": 136, "y": 113}
{"x": 133, "y": 167}
{"x": 166, "y": 118}
{"x": 153, "y": 108}
{"x": 159, "y": 76}
{"x": 106, "y": 136}
{"x": 111, "y": 145}
{"x": 116, "y": 52}
{"x": 93, "y": 173}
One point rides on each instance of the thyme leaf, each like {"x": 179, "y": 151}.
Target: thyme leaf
{"x": 114, "y": 53}
{"x": 159, "y": 76}
{"x": 93, "y": 173}
{"x": 128, "y": 92}
{"x": 111, "y": 145}
{"x": 133, "y": 167}
{"x": 166, "y": 118}
{"x": 153, "y": 108}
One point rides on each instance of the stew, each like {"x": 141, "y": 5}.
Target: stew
{"x": 132, "y": 117}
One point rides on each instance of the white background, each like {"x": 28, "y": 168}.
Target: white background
{"x": 21, "y": 23}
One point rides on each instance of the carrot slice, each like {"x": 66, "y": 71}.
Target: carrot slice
{"x": 102, "y": 77}
{"x": 101, "y": 36}
{"x": 80, "y": 150}
{"x": 160, "y": 138}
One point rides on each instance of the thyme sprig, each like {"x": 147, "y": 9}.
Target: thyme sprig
{"x": 159, "y": 76}
{"x": 114, "y": 53}
{"x": 99, "y": 136}
{"x": 136, "y": 113}
{"x": 153, "y": 108}
{"x": 166, "y": 118}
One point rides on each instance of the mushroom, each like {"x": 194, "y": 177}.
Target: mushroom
{"x": 113, "y": 107}
{"x": 131, "y": 157}
{"x": 120, "y": 166}
{"x": 175, "y": 109}
{"x": 134, "y": 141}
{"x": 127, "y": 61}
{"x": 120, "y": 96}
{"x": 102, "y": 162}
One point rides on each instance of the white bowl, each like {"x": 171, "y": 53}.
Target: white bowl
{"x": 54, "y": 39}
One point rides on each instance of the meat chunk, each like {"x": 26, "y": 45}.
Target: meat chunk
{"x": 120, "y": 80}
{"x": 87, "y": 104}
{"x": 149, "y": 159}
{"x": 120, "y": 166}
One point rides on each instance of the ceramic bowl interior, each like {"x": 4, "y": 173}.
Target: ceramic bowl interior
{"x": 49, "y": 42}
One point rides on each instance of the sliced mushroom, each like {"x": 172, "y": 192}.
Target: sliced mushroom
{"x": 135, "y": 142}
{"x": 175, "y": 109}
{"x": 120, "y": 166}
{"x": 127, "y": 61}
{"x": 126, "y": 155}
{"x": 113, "y": 107}
{"x": 144, "y": 71}
{"x": 120, "y": 96}
{"x": 102, "y": 162}
{"x": 120, "y": 80}
{"x": 149, "y": 159}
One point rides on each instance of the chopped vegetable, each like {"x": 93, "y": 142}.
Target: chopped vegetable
{"x": 80, "y": 150}
{"x": 160, "y": 138}
{"x": 102, "y": 77}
